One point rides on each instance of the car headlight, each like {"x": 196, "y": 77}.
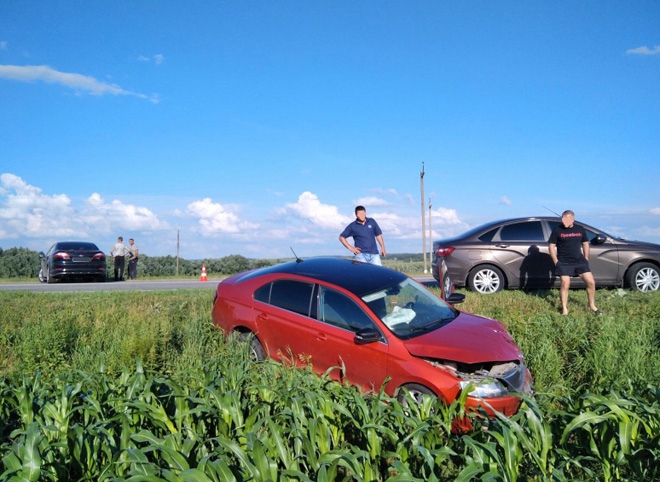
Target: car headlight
{"x": 487, "y": 388}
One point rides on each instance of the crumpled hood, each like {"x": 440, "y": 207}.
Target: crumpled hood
{"x": 467, "y": 339}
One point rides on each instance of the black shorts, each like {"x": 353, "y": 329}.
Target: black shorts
{"x": 572, "y": 269}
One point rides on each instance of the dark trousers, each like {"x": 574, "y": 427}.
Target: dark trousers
{"x": 119, "y": 268}
{"x": 132, "y": 268}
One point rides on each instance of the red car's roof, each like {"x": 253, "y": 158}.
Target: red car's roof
{"x": 354, "y": 276}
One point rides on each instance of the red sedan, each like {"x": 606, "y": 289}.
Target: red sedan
{"x": 366, "y": 323}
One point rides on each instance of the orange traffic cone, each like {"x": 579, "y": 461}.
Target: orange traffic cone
{"x": 203, "y": 277}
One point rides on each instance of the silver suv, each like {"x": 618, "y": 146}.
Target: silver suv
{"x": 514, "y": 254}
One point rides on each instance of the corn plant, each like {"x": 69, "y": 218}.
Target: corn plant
{"x": 197, "y": 408}
{"x": 615, "y": 435}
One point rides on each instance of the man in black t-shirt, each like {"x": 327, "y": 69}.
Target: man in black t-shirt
{"x": 569, "y": 250}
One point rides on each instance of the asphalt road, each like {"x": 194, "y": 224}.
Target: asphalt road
{"x": 137, "y": 285}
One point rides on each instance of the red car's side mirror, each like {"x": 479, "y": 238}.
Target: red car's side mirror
{"x": 367, "y": 335}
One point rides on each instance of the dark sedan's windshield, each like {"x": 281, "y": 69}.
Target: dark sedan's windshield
{"x": 409, "y": 309}
{"x": 76, "y": 246}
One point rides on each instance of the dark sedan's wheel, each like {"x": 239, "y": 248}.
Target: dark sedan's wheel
{"x": 486, "y": 279}
{"x": 644, "y": 277}
{"x": 42, "y": 278}
{"x": 257, "y": 352}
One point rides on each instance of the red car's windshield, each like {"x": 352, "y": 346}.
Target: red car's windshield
{"x": 408, "y": 309}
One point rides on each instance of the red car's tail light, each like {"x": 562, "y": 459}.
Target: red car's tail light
{"x": 440, "y": 252}
{"x": 61, "y": 255}
{"x": 98, "y": 256}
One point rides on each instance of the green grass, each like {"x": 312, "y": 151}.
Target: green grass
{"x": 56, "y": 333}
{"x": 109, "y": 386}
{"x": 581, "y": 351}
{"x": 171, "y": 330}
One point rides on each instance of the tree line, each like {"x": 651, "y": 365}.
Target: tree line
{"x": 25, "y": 263}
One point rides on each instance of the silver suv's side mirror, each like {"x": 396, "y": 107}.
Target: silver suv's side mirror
{"x": 600, "y": 239}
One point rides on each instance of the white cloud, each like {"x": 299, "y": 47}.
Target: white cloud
{"x": 371, "y": 201}
{"x": 78, "y": 82}
{"x": 117, "y": 215}
{"x": 644, "y": 50}
{"x": 274, "y": 193}
{"x": 387, "y": 192}
{"x": 309, "y": 207}
{"x": 25, "y": 211}
{"x": 157, "y": 59}
{"x": 395, "y": 226}
{"x": 444, "y": 222}
{"x": 505, "y": 200}
{"x": 217, "y": 218}
{"x": 649, "y": 232}
{"x": 655, "y": 211}
{"x": 446, "y": 216}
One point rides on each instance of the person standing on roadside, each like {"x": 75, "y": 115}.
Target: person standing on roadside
{"x": 569, "y": 249}
{"x": 366, "y": 235}
{"x": 118, "y": 253}
{"x": 133, "y": 260}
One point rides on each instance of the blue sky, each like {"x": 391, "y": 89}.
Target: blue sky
{"x": 253, "y": 127}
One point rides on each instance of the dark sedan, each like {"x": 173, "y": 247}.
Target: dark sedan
{"x": 514, "y": 254}
{"x": 72, "y": 260}
{"x": 369, "y": 325}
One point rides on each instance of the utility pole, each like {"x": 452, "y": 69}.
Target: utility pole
{"x": 177, "y": 252}
{"x": 421, "y": 183}
{"x": 430, "y": 236}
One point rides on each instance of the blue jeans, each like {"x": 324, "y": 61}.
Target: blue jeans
{"x": 368, "y": 258}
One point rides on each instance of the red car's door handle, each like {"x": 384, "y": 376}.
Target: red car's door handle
{"x": 321, "y": 336}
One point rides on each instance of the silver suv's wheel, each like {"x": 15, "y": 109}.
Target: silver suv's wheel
{"x": 486, "y": 279}
{"x": 644, "y": 277}
{"x": 42, "y": 278}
